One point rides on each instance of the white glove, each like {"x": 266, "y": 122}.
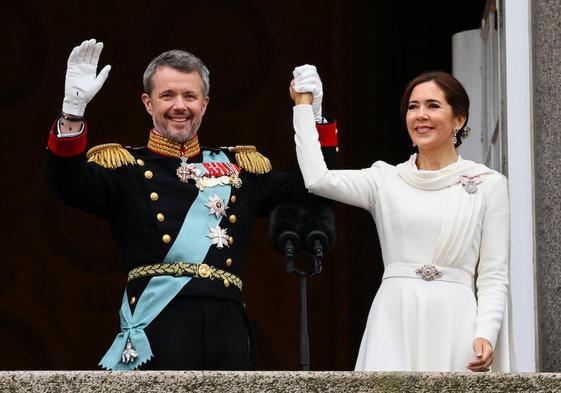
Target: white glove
{"x": 307, "y": 80}
{"x": 82, "y": 84}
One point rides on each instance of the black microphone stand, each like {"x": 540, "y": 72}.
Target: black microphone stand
{"x": 302, "y": 277}
{"x": 286, "y": 236}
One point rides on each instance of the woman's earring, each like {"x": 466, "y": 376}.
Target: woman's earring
{"x": 454, "y": 139}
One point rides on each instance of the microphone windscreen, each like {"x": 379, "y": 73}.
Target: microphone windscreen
{"x": 286, "y": 218}
{"x": 321, "y": 219}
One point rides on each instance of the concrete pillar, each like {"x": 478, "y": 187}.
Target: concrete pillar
{"x": 546, "y": 79}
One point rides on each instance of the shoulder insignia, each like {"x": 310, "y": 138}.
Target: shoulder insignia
{"x": 250, "y": 159}
{"x": 110, "y": 156}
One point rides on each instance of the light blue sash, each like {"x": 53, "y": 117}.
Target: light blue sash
{"x": 191, "y": 245}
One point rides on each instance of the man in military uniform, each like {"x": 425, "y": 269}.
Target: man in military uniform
{"x": 181, "y": 215}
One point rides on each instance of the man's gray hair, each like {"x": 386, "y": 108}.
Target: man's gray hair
{"x": 181, "y": 61}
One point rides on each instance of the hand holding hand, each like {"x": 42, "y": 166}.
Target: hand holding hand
{"x": 300, "y": 98}
{"x": 307, "y": 80}
{"x": 82, "y": 83}
{"x": 484, "y": 355}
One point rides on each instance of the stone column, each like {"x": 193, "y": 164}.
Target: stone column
{"x": 546, "y": 75}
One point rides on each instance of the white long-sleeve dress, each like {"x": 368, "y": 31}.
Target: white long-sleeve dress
{"x": 456, "y": 220}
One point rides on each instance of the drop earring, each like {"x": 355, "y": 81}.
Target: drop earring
{"x": 454, "y": 138}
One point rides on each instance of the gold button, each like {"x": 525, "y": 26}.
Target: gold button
{"x": 133, "y": 300}
{"x": 154, "y": 196}
{"x": 233, "y": 199}
{"x": 148, "y": 174}
{"x": 140, "y": 162}
{"x": 230, "y": 240}
{"x": 337, "y": 149}
{"x": 166, "y": 238}
{"x": 233, "y": 219}
{"x": 229, "y": 262}
{"x": 160, "y": 217}
{"x": 226, "y": 283}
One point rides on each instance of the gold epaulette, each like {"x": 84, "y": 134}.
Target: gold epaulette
{"x": 250, "y": 159}
{"x": 110, "y": 156}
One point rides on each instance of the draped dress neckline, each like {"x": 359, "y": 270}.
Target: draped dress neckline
{"x": 439, "y": 179}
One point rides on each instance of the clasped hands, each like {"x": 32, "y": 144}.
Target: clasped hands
{"x": 306, "y": 88}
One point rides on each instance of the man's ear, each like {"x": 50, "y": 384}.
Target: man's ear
{"x": 207, "y": 99}
{"x": 147, "y": 102}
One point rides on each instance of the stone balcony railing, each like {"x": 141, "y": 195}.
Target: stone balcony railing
{"x": 281, "y": 381}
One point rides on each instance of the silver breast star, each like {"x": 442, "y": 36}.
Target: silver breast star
{"x": 216, "y": 206}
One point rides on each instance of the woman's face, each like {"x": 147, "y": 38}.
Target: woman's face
{"x": 430, "y": 119}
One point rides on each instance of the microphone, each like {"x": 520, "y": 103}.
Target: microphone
{"x": 285, "y": 226}
{"x": 319, "y": 233}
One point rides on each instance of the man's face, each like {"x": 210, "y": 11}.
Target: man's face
{"x": 177, "y": 104}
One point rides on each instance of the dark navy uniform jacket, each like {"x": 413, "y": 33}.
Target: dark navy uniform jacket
{"x": 145, "y": 202}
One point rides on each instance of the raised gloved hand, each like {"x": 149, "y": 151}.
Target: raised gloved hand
{"x": 307, "y": 80}
{"x": 82, "y": 83}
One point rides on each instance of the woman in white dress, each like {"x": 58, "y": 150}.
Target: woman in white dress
{"x": 443, "y": 225}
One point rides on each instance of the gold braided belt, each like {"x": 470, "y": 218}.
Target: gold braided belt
{"x": 198, "y": 270}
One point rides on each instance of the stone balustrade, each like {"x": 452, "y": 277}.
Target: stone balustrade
{"x": 274, "y": 381}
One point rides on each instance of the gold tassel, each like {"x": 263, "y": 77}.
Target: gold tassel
{"x": 251, "y": 160}
{"x": 110, "y": 156}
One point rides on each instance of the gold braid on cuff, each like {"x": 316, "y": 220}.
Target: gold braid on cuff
{"x": 178, "y": 269}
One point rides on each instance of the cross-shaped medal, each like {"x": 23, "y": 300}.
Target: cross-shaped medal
{"x": 186, "y": 171}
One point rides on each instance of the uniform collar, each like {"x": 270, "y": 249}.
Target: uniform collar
{"x": 167, "y": 147}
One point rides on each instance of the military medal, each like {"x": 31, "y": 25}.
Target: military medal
{"x": 218, "y": 174}
{"x": 218, "y": 236}
{"x": 235, "y": 181}
{"x": 209, "y": 174}
{"x": 129, "y": 353}
{"x": 216, "y": 206}
{"x": 187, "y": 171}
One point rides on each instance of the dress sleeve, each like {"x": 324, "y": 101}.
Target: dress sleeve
{"x": 492, "y": 279}
{"x": 354, "y": 187}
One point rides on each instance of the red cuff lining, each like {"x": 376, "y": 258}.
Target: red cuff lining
{"x": 67, "y": 147}
{"x": 327, "y": 134}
